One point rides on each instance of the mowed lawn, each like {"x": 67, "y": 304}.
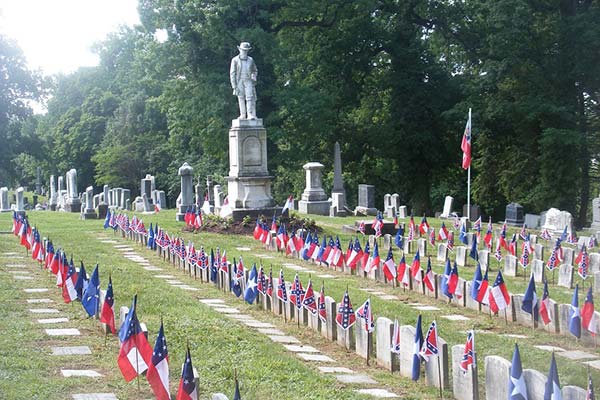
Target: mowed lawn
{"x": 219, "y": 345}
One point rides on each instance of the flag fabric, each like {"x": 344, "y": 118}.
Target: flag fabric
{"x": 416, "y": 364}
{"x": 462, "y": 234}
{"x": 365, "y": 312}
{"x": 378, "y": 225}
{"x": 483, "y": 294}
{"x": 361, "y": 227}
{"x": 512, "y": 246}
{"x": 430, "y": 344}
{"x": 432, "y": 237}
{"x": 546, "y": 235}
{"x": 453, "y": 282}
{"x": 288, "y": 204}
{"x": 135, "y": 354}
{"x": 187, "y": 385}
{"x": 158, "y": 370}
{"x": 523, "y": 232}
{"x": 477, "y": 227}
{"x": 445, "y": 280}
{"x": 474, "y": 253}
{"x": 374, "y": 260}
{"x": 588, "y": 318}
{"x": 529, "y": 304}
{"x": 355, "y": 255}
{"x": 545, "y": 305}
{"x": 274, "y": 223}
{"x": 107, "y": 315}
{"x": 236, "y": 280}
{"x": 399, "y": 239}
{"x": 498, "y": 251}
{"x": 552, "y": 388}
{"x": 429, "y": 278}
{"x": 589, "y": 394}
{"x": 499, "y": 297}
{"x": 261, "y": 283}
{"x": 450, "y": 242}
{"x": 487, "y": 239}
{"x": 281, "y": 288}
{"x": 321, "y": 305}
{"x": 412, "y": 228}
{"x": 403, "y": 272}
{"x": 503, "y": 236}
{"x": 297, "y": 293}
{"x": 524, "y": 259}
{"x": 395, "y": 346}
{"x": 236, "y": 394}
{"x": 465, "y": 145}
{"x": 582, "y": 262}
{"x": 270, "y": 284}
{"x": 345, "y": 317}
{"x": 251, "y": 286}
{"x": 82, "y": 281}
{"x": 309, "y": 301}
{"x": 574, "y": 315}
{"x": 423, "y": 226}
{"x": 389, "y": 266}
{"x": 91, "y": 297}
{"x": 68, "y": 289}
{"x": 516, "y": 382}
{"x": 282, "y": 237}
{"x": 415, "y": 269}
{"x": 443, "y": 232}
{"x": 468, "y": 357}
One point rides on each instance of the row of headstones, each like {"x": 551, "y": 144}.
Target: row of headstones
{"x": 463, "y": 384}
{"x": 356, "y": 338}
{"x": 65, "y": 199}
{"x": 514, "y": 313}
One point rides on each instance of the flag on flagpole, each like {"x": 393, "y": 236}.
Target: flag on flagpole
{"x": 416, "y": 364}
{"x": 582, "y": 262}
{"x": 445, "y": 280}
{"x": 545, "y": 305}
{"x": 465, "y": 145}
{"x": 187, "y": 385}
{"x": 288, "y": 204}
{"x": 589, "y": 395}
{"x": 107, "y": 315}
{"x": 251, "y": 286}
{"x": 345, "y": 317}
{"x": 574, "y": 315}
{"x": 281, "y": 288}
{"x": 443, "y": 232}
{"x": 365, "y": 312}
{"x": 389, "y": 266}
{"x": 552, "y": 388}
{"x": 297, "y": 293}
{"x": 135, "y": 354}
{"x": 428, "y": 278}
{"x": 468, "y": 357}
{"x": 483, "y": 294}
{"x": 309, "y": 299}
{"x": 430, "y": 344}
{"x": 158, "y": 370}
{"x": 588, "y": 318}
{"x": 499, "y": 298}
{"x": 476, "y": 283}
{"x": 529, "y": 304}
{"x": 91, "y": 297}
{"x": 68, "y": 290}
{"x": 395, "y": 346}
{"x": 516, "y": 382}
{"x": 487, "y": 239}
{"x": 415, "y": 269}
{"x": 82, "y": 281}
{"x": 321, "y": 305}
{"x": 403, "y": 272}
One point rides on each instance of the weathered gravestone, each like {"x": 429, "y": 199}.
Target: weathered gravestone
{"x": 20, "y": 204}
{"x": 384, "y": 329}
{"x": 537, "y": 269}
{"x": 510, "y": 265}
{"x": 475, "y": 212}
{"x": 464, "y": 384}
{"x": 88, "y": 211}
{"x": 4, "y": 205}
{"x": 497, "y": 372}
{"x": 314, "y": 200}
{"x": 366, "y": 200}
{"x": 73, "y": 203}
{"x": 185, "y": 172}
{"x": 125, "y": 197}
{"x": 532, "y": 221}
{"x": 565, "y": 276}
{"x": 514, "y": 214}
{"x": 442, "y": 252}
{"x": 574, "y": 393}
{"x": 434, "y": 368}
{"x": 556, "y": 221}
{"x": 535, "y": 382}
{"x": 402, "y": 212}
{"x": 448, "y": 201}
{"x": 53, "y": 196}
{"x": 407, "y": 344}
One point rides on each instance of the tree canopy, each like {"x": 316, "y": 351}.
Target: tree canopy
{"x": 392, "y": 81}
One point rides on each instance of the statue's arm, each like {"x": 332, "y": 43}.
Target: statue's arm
{"x": 254, "y": 71}
{"x": 232, "y": 74}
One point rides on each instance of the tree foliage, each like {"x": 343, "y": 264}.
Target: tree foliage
{"x": 391, "y": 81}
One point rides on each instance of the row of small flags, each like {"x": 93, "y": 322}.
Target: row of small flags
{"x": 496, "y": 297}
{"x": 517, "y": 388}
{"x": 135, "y": 354}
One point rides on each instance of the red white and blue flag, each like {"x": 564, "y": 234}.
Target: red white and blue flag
{"x": 309, "y": 301}
{"x": 443, "y": 232}
{"x": 366, "y": 313}
{"x": 545, "y": 305}
{"x": 428, "y": 278}
{"x": 423, "y": 226}
{"x": 158, "y": 370}
{"x": 345, "y": 317}
{"x": 135, "y": 354}
{"x": 403, "y": 272}
{"x": 107, "y": 314}
{"x": 68, "y": 286}
{"x": 281, "y": 288}
{"x": 465, "y": 145}
{"x": 187, "y": 385}
{"x": 468, "y": 358}
{"x": 487, "y": 239}
{"x": 430, "y": 344}
{"x": 588, "y": 317}
{"x": 389, "y": 267}
{"x": 499, "y": 296}
{"x": 321, "y": 305}
{"x": 395, "y": 345}
{"x": 583, "y": 263}
{"x": 297, "y": 293}
{"x": 415, "y": 269}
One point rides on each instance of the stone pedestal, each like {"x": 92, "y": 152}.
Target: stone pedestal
{"x": 187, "y": 200}
{"x": 248, "y": 183}
{"x": 88, "y": 211}
{"x": 366, "y": 200}
{"x": 314, "y": 200}
{"x": 20, "y": 202}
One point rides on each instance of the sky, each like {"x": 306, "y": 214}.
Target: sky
{"x": 56, "y": 35}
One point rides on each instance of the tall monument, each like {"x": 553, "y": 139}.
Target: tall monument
{"x": 249, "y": 182}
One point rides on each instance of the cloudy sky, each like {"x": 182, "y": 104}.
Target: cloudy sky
{"x": 56, "y": 35}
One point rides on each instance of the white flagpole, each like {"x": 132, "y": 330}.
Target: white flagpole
{"x": 469, "y": 172}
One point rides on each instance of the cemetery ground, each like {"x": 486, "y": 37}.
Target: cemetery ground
{"x": 217, "y": 344}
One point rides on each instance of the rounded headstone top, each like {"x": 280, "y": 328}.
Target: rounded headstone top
{"x": 20, "y": 189}
{"x": 73, "y": 171}
{"x": 89, "y": 188}
{"x": 313, "y": 165}
{"x": 186, "y": 169}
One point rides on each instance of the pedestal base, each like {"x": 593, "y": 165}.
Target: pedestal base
{"x": 314, "y": 207}
{"x": 250, "y": 192}
{"x": 89, "y": 214}
{"x": 73, "y": 205}
{"x": 180, "y": 215}
{"x": 6, "y": 210}
{"x": 102, "y": 210}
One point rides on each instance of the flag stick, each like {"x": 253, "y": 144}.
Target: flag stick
{"x": 369, "y": 341}
{"x": 553, "y": 275}
{"x": 505, "y": 316}
{"x": 284, "y": 313}
{"x": 469, "y": 175}
{"x": 440, "y": 376}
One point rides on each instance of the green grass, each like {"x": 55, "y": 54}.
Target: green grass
{"x": 218, "y": 345}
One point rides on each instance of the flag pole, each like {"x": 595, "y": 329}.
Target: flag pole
{"x": 469, "y": 174}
